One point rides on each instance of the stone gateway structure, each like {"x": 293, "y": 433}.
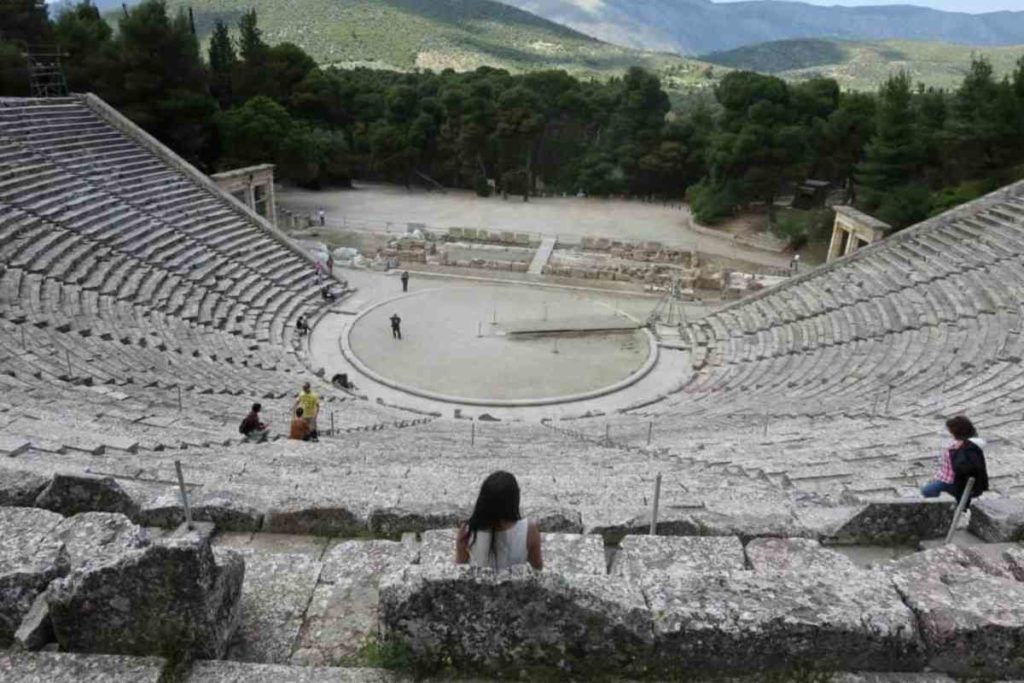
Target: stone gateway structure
{"x": 253, "y": 186}
{"x": 854, "y": 229}
{"x": 143, "y": 310}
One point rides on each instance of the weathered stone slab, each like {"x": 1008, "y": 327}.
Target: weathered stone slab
{"x": 480, "y": 621}
{"x": 343, "y": 613}
{"x": 1014, "y": 559}
{"x": 93, "y": 538}
{"x": 30, "y": 558}
{"x": 795, "y": 554}
{"x": 897, "y": 522}
{"x": 997, "y": 519}
{"x": 972, "y": 619}
{"x": 238, "y": 672}
{"x": 562, "y": 553}
{"x": 71, "y": 494}
{"x": 20, "y": 489}
{"x": 36, "y": 629}
{"x": 171, "y": 596}
{"x": 66, "y": 667}
{"x": 277, "y": 588}
{"x": 558, "y": 520}
{"x": 749, "y": 622}
{"x": 640, "y": 555}
{"x": 228, "y": 510}
{"x": 392, "y": 522}
{"x": 301, "y": 517}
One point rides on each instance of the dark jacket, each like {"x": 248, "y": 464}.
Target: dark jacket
{"x": 969, "y": 461}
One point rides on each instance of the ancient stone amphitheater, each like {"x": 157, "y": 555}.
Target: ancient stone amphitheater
{"x": 142, "y": 310}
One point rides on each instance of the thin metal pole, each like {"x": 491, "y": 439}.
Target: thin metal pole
{"x": 654, "y": 509}
{"x": 332, "y": 423}
{"x": 184, "y": 495}
{"x": 888, "y": 398}
{"x": 479, "y": 330}
{"x": 607, "y": 433}
{"x": 650, "y": 431}
{"x": 180, "y": 408}
{"x": 766, "y": 424}
{"x": 960, "y": 509}
{"x": 23, "y": 344}
{"x": 67, "y": 357}
{"x": 472, "y": 434}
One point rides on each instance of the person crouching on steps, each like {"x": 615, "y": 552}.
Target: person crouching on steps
{"x": 961, "y": 460}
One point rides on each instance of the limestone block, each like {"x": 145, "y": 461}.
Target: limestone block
{"x": 392, "y": 522}
{"x": 997, "y": 519}
{"x": 303, "y": 517}
{"x": 562, "y": 553}
{"x": 972, "y": 620}
{"x": 897, "y": 522}
{"x": 577, "y": 624}
{"x": 20, "y": 489}
{"x": 795, "y": 554}
{"x": 171, "y": 596}
{"x": 560, "y": 520}
{"x": 238, "y": 672}
{"x": 343, "y": 612}
{"x": 749, "y": 622}
{"x": 93, "y": 538}
{"x": 36, "y": 629}
{"x": 228, "y": 510}
{"x": 70, "y": 494}
{"x": 640, "y": 555}
{"x": 66, "y": 667}
{"x": 30, "y": 558}
{"x": 1014, "y": 559}
{"x": 277, "y": 589}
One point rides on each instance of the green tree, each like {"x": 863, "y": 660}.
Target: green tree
{"x": 519, "y": 127}
{"x": 983, "y": 121}
{"x": 162, "y": 82}
{"x": 25, "y": 21}
{"x": 894, "y": 157}
{"x": 87, "y": 39}
{"x": 223, "y": 60}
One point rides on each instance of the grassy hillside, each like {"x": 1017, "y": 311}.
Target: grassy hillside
{"x": 864, "y": 65}
{"x": 439, "y": 34}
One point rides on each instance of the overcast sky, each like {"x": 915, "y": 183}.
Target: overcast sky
{"x": 973, "y": 6}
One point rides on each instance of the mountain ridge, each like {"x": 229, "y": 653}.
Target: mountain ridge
{"x": 693, "y": 27}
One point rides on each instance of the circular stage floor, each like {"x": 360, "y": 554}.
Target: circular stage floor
{"x": 482, "y": 344}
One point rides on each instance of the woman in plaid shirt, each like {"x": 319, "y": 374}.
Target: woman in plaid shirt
{"x": 962, "y": 431}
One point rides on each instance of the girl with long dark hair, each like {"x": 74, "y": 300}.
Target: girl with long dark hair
{"x": 497, "y": 536}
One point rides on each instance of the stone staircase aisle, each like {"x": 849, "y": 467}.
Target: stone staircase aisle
{"x": 543, "y": 255}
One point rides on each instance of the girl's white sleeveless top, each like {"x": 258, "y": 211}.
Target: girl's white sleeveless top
{"x": 509, "y": 548}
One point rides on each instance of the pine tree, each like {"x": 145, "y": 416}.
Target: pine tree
{"x": 223, "y": 62}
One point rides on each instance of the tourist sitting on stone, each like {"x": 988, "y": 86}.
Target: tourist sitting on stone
{"x": 302, "y": 326}
{"x": 252, "y": 428}
{"x": 961, "y": 460}
{"x": 328, "y": 293}
{"x": 497, "y": 536}
{"x": 300, "y": 428}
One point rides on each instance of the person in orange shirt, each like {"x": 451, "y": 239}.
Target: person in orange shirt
{"x": 299, "y": 428}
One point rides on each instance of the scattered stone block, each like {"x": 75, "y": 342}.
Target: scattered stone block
{"x": 274, "y": 596}
{"x": 580, "y": 625}
{"x": 997, "y": 519}
{"x": 30, "y": 558}
{"x": 71, "y": 494}
{"x": 228, "y": 510}
{"x": 748, "y": 622}
{"x": 315, "y": 519}
{"x": 392, "y": 522}
{"x": 171, "y": 596}
{"x": 343, "y": 612}
{"x": 238, "y": 672}
{"x": 972, "y": 619}
{"x": 93, "y": 538}
{"x": 36, "y": 629}
{"x": 897, "y": 522}
{"x": 20, "y": 489}
{"x": 639, "y": 556}
{"x": 1014, "y": 559}
{"x": 66, "y": 667}
{"x": 795, "y": 554}
{"x": 558, "y": 520}
{"x": 13, "y": 445}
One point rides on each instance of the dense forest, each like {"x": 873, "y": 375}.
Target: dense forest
{"x": 902, "y": 154}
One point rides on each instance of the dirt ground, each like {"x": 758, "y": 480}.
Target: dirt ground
{"x": 385, "y": 208}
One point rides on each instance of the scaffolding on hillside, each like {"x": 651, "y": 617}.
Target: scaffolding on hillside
{"x": 46, "y": 71}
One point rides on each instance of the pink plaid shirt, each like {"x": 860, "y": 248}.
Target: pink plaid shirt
{"x": 945, "y": 473}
